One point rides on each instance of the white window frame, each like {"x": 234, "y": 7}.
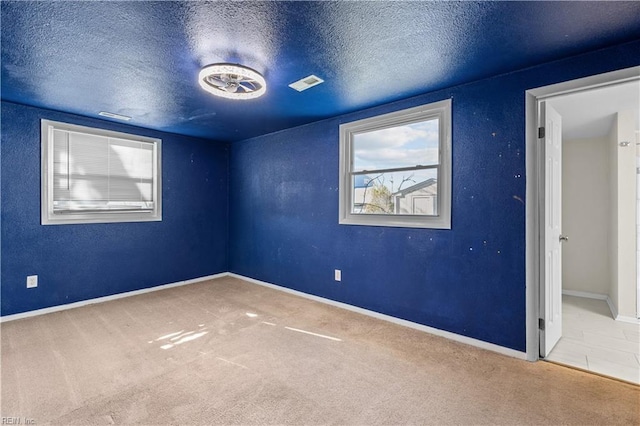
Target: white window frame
{"x": 48, "y": 217}
{"x": 440, "y": 110}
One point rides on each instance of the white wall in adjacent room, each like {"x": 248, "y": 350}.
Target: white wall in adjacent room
{"x": 586, "y": 215}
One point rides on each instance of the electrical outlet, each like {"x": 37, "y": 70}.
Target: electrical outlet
{"x": 32, "y": 281}
{"x": 338, "y": 275}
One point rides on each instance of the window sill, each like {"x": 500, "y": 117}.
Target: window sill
{"x": 397, "y": 221}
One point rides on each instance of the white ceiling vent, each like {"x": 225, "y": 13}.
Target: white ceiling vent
{"x": 306, "y": 83}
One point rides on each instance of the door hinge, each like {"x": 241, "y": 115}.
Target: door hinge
{"x": 540, "y": 132}
{"x": 541, "y": 323}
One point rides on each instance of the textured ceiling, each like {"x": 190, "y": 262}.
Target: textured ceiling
{"x": 142, "y": 59}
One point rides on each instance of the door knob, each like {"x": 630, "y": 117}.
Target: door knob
{"x": 563, "y": 238}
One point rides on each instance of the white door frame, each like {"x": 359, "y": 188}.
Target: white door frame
{"x": 535, "y": 189}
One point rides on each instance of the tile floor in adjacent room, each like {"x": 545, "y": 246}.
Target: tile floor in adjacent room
{"x": 592, "y": 340}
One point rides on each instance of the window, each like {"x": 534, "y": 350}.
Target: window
{"x": 395, "y": 169}
{"x": 97, "y": 176}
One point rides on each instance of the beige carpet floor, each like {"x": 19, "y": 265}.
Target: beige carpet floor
{"x": 230, "y": 352}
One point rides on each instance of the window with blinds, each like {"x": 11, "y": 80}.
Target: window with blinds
{"x": 95, "y": 176}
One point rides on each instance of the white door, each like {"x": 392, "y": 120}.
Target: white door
{"x": 551, "y": 263}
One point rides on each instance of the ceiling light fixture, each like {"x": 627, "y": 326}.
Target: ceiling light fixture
{"x": 232, "y": 81}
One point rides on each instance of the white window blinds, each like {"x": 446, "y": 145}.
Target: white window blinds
{"x": 101, "y": 173}
{"x": 92, "y": 175}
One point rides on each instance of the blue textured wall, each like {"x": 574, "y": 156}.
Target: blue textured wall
{"x": 470, "y": 279}
{"x": 78, "y": 262}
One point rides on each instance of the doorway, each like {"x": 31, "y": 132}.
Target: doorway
{"x": 589, "y": 282}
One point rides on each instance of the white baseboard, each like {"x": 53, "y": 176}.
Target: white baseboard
{"x": 107, "y": 298}
{"x": 631, "y": 320}
{"x": 446, "y": 334}
{"x": 612, "y": 307}
{"x": 585, "y": 294}
{"x": 605, "y": 297}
